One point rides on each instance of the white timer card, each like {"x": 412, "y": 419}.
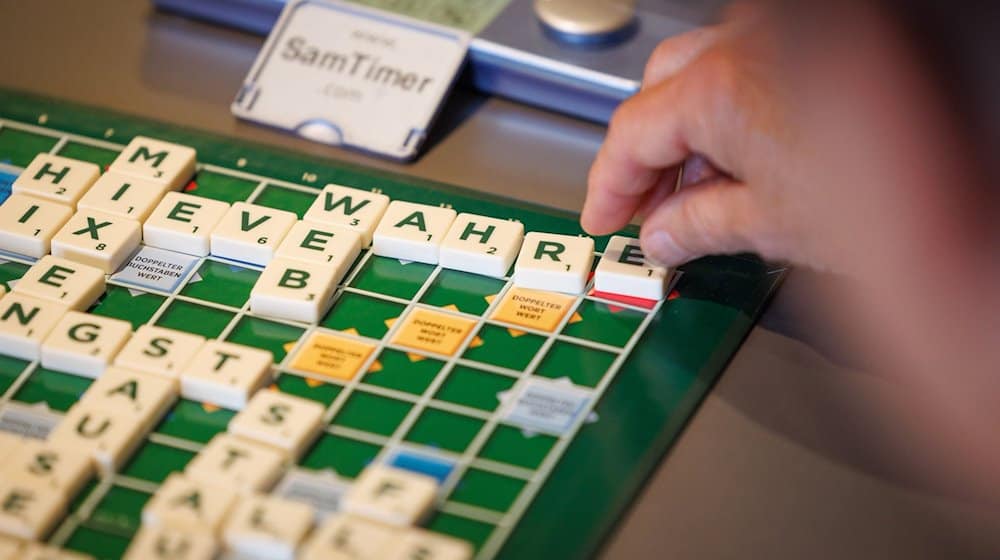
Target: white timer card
{"x": 348, "y": 75}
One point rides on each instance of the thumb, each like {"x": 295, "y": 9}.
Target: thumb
{"x": 703, "y": 219}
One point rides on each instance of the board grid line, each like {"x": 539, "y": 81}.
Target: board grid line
{"x": 507, "y": 520}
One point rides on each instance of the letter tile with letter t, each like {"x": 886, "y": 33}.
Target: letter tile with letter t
{"x": 226, "y": 374}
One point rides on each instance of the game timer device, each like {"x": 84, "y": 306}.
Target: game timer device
{"x": 215, "y": 349}
{"x": 581, "y": 57}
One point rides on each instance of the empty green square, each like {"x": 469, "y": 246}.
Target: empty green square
{"x": 153, "y": 462}
{"x": 308, "y": 388}
{"x": 504, "y": 347}
{"x": 397, "y": 370}
{"x": 487, "y": 490}
{"x": 392, "y": 277}
{"x": 99, "y": 544}
{"x": 283, "y": 198}
{"x": 582, "y": 365}
{"x": 18, "y": 147}
{"x": 365, "y": 314}
{"x": 119, "y": 303}
{"x": 119, "y": 511}
{"x": 194, "y": 421}
{"x": 509, "y": 445}
{"x": 59, "y": 390}
{"x": 219, "y": 282}
{"x": 444, "y": 430}
{"x": 193, "y": 318}
{"x": 348, "y": 457}
{"x": 474, "y": 532}
{"x": 470, "y": 293}
{"x": 371, "y": 413}
{"x": 221, "y": 187}
{"x": 266, "y": 335}
{"x": 11, "y": 270}
{"x": 85, "y": 152}
{"x": 10, "y": 369}
{"x": 472, "y": 387}
{"x": 605, "y": 323}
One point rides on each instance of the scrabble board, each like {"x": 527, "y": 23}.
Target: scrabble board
{"x": 536, "y": 416}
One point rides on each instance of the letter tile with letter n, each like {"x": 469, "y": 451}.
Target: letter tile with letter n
{"x": 27, "y": 224}
{"x": 482, "y": 245}
{"x": 24, "y": 323}
{"x": 157, "y": 161}
{"x": 97, "y": 239}
{"x": 166, "y": 543}
{"x": 56, "y": 178}
{"x": 354, "y": 209}
{"x": 84, "y": 344}
{"x": 549, "y": 261}
{"x": 294, "y": 290}
{"x": 251, "y": 233}
{"x": 159, "y": 350}
{"x": 188, "y": 505}
{"x": 226, "y": 374}
{"x": 412, "y": 232}
{"x": 183, "y": 223}
{"x": 283, "y": 421}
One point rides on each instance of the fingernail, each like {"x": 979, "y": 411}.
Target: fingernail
{"x": 660, "y": 249}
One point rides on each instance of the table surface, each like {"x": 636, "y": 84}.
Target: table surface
{"x": 776, "y": 463}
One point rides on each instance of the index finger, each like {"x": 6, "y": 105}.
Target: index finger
{"x": 645, "y": 136}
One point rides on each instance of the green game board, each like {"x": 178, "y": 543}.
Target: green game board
{"x": 512, "y": 494}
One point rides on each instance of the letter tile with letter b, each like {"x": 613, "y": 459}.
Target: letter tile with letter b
{"x": 294, "y": 290}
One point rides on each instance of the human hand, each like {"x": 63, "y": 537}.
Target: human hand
{"x": 711, "y": 94}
